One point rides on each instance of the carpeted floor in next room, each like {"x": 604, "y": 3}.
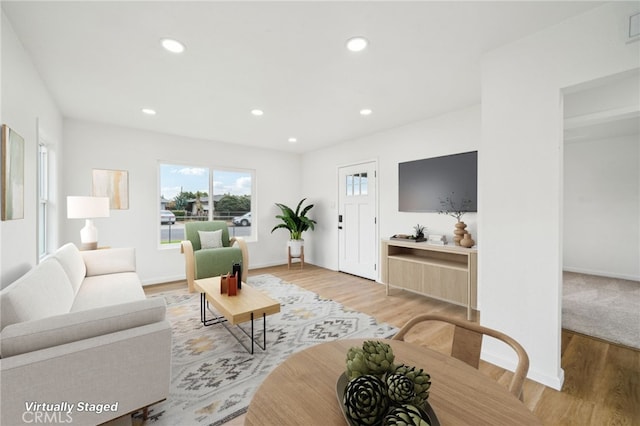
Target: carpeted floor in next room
{"x": 602, "y": 307}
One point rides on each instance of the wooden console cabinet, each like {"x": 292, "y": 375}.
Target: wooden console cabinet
{"x": 446, "y": 272}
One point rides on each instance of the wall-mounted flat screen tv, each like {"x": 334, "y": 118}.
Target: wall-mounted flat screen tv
{"x": 424, "y": 184}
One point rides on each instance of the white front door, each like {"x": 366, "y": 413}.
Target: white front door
{"x": 357, "y": 227}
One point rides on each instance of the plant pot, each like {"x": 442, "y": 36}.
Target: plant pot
{"x": 296, "y": 247}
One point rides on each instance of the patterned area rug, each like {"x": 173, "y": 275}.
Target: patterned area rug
{"x": 607, "y": 308}
{"x": 213, "y": 376}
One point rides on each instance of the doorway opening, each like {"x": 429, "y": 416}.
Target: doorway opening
{"x": 601, "y": 209}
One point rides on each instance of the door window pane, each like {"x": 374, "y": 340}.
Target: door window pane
{"x": 364, "y": 184}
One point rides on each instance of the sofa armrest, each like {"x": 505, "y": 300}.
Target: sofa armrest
{"x": 129, "y": 367}
{"x": 186, "y": 247}
{"x": 109, "y": 261}
{"x": 245, "y": 254}
{"x": 30, "y": 336}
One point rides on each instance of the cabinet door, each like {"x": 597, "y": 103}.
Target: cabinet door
{"x": 405, "y": 274}
{"x": 431, "y": 282}
{"x": 445, "y": 283}
{"x": 454, "y": 285}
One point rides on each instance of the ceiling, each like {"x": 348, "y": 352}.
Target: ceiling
{"x": 102, "y": 62}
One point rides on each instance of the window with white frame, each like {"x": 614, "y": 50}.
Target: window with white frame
{"x": 195, "y": 193}
{"x": 43, "y": 198}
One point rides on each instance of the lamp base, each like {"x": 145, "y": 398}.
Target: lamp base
{"x": 89, "y": 246}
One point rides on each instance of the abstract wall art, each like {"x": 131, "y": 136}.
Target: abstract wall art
{"x": 113, "y": 184}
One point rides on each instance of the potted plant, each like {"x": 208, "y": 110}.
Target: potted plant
{"x": 296, "y": 222}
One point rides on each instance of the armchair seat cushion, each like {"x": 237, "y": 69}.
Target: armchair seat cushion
{"x": 216, "y": 261}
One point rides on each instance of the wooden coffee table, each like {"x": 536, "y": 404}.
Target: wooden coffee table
{"x": 247, "y": 305}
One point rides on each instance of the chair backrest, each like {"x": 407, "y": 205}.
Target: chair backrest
{"x": 191, "y": 231}
{"x": 467, "y": 343}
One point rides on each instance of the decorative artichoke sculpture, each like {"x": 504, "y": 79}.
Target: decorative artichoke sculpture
{"x": 379, "y": 357}
{"x": 365, "y": 400}
{"x": 400, "y": 388}
{"x": 405, "y": 415}
{"x": 356, "y": 363}
{"x": 382, "y": 393}
{"x": 421, "y": 382}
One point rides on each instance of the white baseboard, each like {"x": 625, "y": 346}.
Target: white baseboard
{"x": 163, "y": 280}
{"x": 601, "y": 273}
{"x": 554, "y": 382}
{"x": 268, "y": 265}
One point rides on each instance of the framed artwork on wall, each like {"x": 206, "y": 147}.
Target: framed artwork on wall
{"x": 12, "y": 174}
{"x": 113, "y": 184}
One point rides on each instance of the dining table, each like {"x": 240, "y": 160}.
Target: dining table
{"x": 302, "y": 390}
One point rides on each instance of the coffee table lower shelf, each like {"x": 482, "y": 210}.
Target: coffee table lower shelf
{"x": 204, "y": 307}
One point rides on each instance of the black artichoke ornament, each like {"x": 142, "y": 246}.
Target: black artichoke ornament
{"x": 400, "y": 388}
{"x": 421, "y": 381}
{"x": 365, "y": 400}
{"x": 405, "y": 415}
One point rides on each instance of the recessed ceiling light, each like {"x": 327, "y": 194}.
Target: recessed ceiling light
{"x": 257, "y": 112}
{"x": 357, "y": 44}
{"x": 365, "y": 111}
{"x": 173, "y": 46}
{"x": 293, "y": 140}
{"x": 149, "y": 111}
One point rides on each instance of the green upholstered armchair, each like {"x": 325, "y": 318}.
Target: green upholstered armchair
{"x": 211, "y": 262}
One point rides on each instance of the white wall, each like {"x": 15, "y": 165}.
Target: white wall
{"x": 455, "y": 132}
{"x": 520, "y": 197}
{"x": 602, "y": 207}
{"x": 25, "y": 103}
{"x": 98, "y": 146}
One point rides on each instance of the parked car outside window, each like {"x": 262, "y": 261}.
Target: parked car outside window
{"x": 167, "y": 217}
{"x": 244, "y": 220}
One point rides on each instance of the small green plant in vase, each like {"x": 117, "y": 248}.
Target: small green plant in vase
{"x": 419, "y": 235}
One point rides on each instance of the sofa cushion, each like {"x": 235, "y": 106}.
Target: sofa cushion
{"x": 105, "y": 290}
{"x": 42, "y": 292}
{"x": 61, "y": 329}
{"x": 109, "y": 261}
{"x": 71, "y": 260}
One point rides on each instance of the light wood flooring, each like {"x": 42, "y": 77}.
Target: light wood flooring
{"x": 602, "y": 380}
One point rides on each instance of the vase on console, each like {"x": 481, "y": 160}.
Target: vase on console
{"x": 459, "y": 232}
{"x": 467, "y": 241}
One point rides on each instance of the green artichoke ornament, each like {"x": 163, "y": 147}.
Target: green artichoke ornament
{"x": 365, "y": 400}
{"x": 379, "y": 357}
{"x": 356, "y": 363}
{"x": 405, "y": 415}
{"x": 421, "y": 382}
{"x": 400, "y": 389}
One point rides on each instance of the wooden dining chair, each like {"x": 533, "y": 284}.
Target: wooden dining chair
{"x": 467, "y": 343}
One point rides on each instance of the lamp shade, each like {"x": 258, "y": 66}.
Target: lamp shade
{"x": 87, "y": 207}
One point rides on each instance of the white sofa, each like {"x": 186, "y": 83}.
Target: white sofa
{"x": 78, "y": 331}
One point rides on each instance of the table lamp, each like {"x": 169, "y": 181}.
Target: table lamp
{"x": 88, "y": 208}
